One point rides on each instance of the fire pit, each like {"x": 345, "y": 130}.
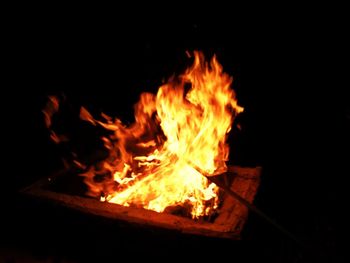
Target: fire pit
{"x": 159, "y": 170}
{"x": 227, "y": 224}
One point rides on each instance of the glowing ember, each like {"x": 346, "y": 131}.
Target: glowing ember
{"x": 154, "y": 162}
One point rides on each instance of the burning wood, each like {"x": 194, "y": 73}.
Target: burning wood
{"x": 153, "y": 163}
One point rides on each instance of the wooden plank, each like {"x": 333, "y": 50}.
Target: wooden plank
{"x": 227, "y": 225}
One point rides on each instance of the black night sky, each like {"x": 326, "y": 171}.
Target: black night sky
{"x": 295, "y": 125}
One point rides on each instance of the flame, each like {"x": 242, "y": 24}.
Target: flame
{"x": 51, "y": 108}
{"x": 159, "y": 160}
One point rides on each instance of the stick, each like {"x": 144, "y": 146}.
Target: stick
{"x": 251, "y": 207}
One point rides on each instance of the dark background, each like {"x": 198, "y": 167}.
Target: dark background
{"x": 287, "y": 76}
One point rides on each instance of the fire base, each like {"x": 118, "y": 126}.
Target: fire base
{"x": 228, "y": 224}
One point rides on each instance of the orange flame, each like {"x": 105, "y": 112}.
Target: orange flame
{"x": 153, "y": 162}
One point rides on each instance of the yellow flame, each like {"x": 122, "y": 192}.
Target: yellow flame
{"x": 154, "y": 161}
